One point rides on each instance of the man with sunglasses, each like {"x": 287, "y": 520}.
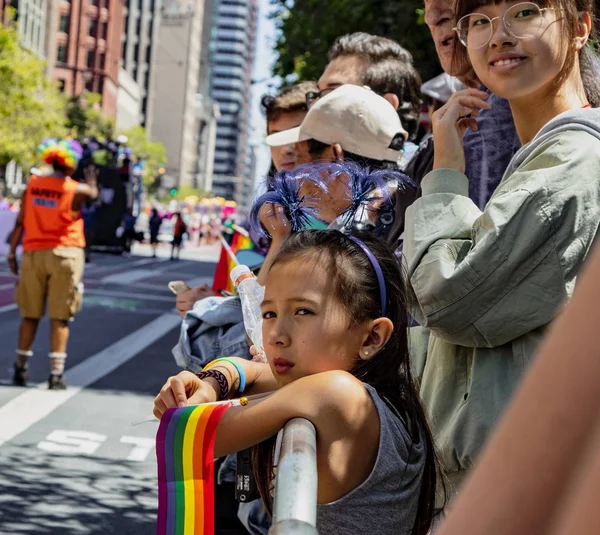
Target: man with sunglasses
{"x": 385, "y": 67}
{"x": 379, "y": 63}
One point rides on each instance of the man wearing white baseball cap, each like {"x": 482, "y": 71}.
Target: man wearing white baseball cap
{"x": 351, "y": 123}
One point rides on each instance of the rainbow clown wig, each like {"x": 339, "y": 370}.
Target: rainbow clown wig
{"x": 65, "y": 153}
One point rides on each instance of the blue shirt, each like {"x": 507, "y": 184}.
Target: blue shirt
{"x": 489, "y": 150}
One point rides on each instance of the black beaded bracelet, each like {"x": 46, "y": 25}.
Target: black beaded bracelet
{"x": 220, "y": 378}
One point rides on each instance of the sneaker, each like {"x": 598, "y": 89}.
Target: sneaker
{"x": 20, "y": 376}
{"x": 55, "y": 382}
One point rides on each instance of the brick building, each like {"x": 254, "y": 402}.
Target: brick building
{"x": 88, "y": 49}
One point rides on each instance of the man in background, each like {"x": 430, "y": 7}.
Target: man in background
{"x": 53, "y": 255}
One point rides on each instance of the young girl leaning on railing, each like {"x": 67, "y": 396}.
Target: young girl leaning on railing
{"x": 335, "y": 337}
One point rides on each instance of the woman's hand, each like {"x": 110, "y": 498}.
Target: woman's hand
{"x": 185, "y": 389}
{"x": 450, "y": 123}
{"x": 273, "y": 219}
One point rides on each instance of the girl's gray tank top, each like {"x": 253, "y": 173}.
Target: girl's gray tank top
{"x": 386, "y": 502}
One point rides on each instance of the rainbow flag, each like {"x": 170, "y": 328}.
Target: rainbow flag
{"x": 185, "y": 455}
{"x": 227, "y": 261}
{"x": 241, "y": 240}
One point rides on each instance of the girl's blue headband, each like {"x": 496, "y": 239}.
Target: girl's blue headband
{"x": 378, "y": 272}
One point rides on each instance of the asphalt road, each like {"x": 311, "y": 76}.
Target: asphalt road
{"x": 72, "y": 462}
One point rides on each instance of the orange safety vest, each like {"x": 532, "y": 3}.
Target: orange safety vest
{"x": 49, "y": 220}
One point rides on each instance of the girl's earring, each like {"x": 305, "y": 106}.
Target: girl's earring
{"x": 366, "y": 354}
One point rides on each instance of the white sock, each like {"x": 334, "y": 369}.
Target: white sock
{"x": 57, "y": 363}
{"x": 23, "y": 357}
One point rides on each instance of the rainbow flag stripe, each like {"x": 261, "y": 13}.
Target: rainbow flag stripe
{"x": 185, "y": 455}
{"x": 227, "y": 260}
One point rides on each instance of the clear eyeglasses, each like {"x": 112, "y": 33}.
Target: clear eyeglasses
{"x": 523, "y": 21}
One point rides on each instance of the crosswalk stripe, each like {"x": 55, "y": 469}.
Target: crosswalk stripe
{"x": 25, "y": 410}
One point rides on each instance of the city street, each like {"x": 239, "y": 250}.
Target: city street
{"x": 79, "y": 461}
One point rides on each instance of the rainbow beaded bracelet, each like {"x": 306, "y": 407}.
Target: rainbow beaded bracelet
{"x": 236, "y": 365}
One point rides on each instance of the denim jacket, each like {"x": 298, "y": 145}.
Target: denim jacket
{"x": 214, "y": 328}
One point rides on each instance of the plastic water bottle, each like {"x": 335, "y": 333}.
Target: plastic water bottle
{"x": 251, "y": 295}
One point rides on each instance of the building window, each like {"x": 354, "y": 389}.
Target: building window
{"x": 90, "y": 58}
{"x": 94, "y": 2}
{"x": 102, "y": 61}
{"x": 93, "y": 27}
{"x": 64, "y": 23}
{"x": 61, "y": 85}
{"x": 61, "y": 54}
{"x": 89, "y": 84}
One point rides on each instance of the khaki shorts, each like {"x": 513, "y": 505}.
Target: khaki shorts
{"x": 53, "y": 275}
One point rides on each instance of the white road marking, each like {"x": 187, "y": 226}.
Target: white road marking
{"x": 129, "y": 277}
{"x": 6, "y": 308}
{"x": 128, "y": 295}
{"x": 163, "y": 287}
{"x": 72, "y": 442}
{"x": 25, "y": 410}
{"x": 142, "y": 447}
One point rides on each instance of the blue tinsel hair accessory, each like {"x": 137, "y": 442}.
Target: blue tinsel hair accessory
{"x": 299, "y": 209}
{"x": 367, "y": 190}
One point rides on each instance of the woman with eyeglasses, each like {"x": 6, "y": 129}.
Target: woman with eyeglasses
{"x": 487, "y": 283}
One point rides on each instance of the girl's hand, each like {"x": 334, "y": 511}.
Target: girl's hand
{"x": 257, "y": 354}
{"x": 450, "y": 123}
{"x": 273, "y": 219}
{"x": 185, "y": 389}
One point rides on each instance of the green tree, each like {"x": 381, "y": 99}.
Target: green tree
{"x": 153, "y": 153}
{"x": 85, "y": 117}
{"x": 31, "y": 108}
{"x": 309, "y": 27}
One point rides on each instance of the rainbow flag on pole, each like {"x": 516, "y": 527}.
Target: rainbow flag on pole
{"x": 185, "y": 456}
{"x": 227, "y": 261}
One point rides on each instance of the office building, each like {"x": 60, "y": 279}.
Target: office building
{"x": 231, "y": 77}
{"x": 136, "y": 75}
{"x": 88, "y": 49}
{"x": 178, "y": 108}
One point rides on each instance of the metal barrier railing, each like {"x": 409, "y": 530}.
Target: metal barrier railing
{"x": 295, "y": 503}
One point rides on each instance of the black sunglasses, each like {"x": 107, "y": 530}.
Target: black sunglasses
{"x": 313, "y": 96}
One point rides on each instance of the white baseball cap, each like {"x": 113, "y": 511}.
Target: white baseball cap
{"x": 357, "y": 118}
